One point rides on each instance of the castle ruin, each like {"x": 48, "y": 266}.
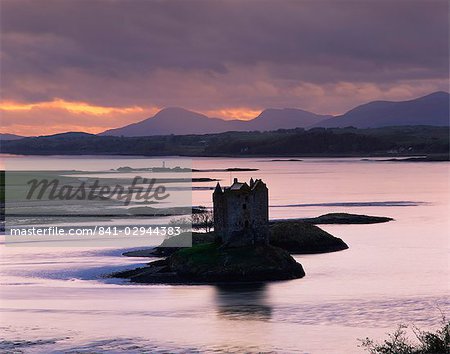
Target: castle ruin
{"x": 241, "y": 213}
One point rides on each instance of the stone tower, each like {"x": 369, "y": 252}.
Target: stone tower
{"x": 241, "y": 213}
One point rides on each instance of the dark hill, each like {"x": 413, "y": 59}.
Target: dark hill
{"x": 179, "y": 121}
{"x": 6, "y": 136}
{"x": 68, "y": 135}
{"x": 176, "y": 121}
{"x": 432, "y": 110}
{"x": 286, "y": 118}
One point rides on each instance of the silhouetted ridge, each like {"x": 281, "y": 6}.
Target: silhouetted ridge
{"x": 432, "y": 109}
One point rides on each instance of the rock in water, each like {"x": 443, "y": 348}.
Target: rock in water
{"x": 295, "y": 237}
{"x": 211, "y": 263}
{"x": 345, "y": 218}
{"x": 304, "y": 238}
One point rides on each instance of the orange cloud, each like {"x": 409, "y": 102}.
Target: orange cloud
{"x": 234, "y": 113}
{"x": 60, "y": 115}
{"x": 31, "y": 130}
{"x": 73, "y": 107}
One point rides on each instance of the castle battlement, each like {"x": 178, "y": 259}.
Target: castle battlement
{"x": 241, "y": 213}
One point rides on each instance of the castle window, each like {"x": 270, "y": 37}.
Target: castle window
{"x": 244, "y": 206}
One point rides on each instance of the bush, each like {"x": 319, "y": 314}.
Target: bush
{"x": 398, "y": 342}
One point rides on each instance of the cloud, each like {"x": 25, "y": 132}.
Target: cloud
{"x": 73, "y": 107}
{"x": 219, "y": 56}
{"x": 241, "y": 113}
{"x": 58, "y": 115}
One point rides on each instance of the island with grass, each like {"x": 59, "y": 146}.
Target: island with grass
{"x": 238, "y": 251}
{"x": 244, "y": 246}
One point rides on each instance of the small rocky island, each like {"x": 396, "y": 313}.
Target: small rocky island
{"x": 212, "y": 263}
{"x": 244, "y": 247}
{"x": 240, "y": 251}
{"x": 294, "y": 236}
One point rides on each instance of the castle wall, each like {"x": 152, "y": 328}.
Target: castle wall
{"x": 241, "y": 216}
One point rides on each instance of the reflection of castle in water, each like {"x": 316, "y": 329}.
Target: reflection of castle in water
{"x": 243, "y": 302}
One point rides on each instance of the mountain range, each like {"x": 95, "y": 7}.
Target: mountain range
{"x": 432, "y": 109}
{"x": 180, "y": 121}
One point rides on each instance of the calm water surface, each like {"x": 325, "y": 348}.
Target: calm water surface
{"x": 55, "y": 299}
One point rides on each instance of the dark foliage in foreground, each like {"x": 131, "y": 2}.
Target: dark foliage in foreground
{"x": 398, "y": 342}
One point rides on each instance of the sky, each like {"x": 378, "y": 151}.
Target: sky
{"x": 91, "y": 65}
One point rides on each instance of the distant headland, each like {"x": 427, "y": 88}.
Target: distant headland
{"x": 315, "y": 142}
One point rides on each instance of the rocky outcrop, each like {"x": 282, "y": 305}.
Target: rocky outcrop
{"x": 345, "y": 218}
{"x": 304, "y": 238}
{"x": 211, "y": 263}
{"x": 295, "y": 237}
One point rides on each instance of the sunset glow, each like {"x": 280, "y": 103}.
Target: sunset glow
{"x": 224, "y": 64}
{"x": 197, "y": 176}
{"x": 74, "y": 107}
{"x": 234, "y": 113}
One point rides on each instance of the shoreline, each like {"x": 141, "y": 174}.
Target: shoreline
{"x": 286, "y": 158}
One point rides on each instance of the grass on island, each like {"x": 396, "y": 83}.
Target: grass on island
{"x": 212, "y": 254}
{"x": 295, "y": 237}
{"x": 213, "y": 262}
{"x": 205, "y": 253}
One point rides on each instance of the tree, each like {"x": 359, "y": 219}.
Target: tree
{"x": 203, "y": 219}
{"x": 398, "y": 343}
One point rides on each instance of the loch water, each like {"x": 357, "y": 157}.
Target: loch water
{"x": 57, "y": 300}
